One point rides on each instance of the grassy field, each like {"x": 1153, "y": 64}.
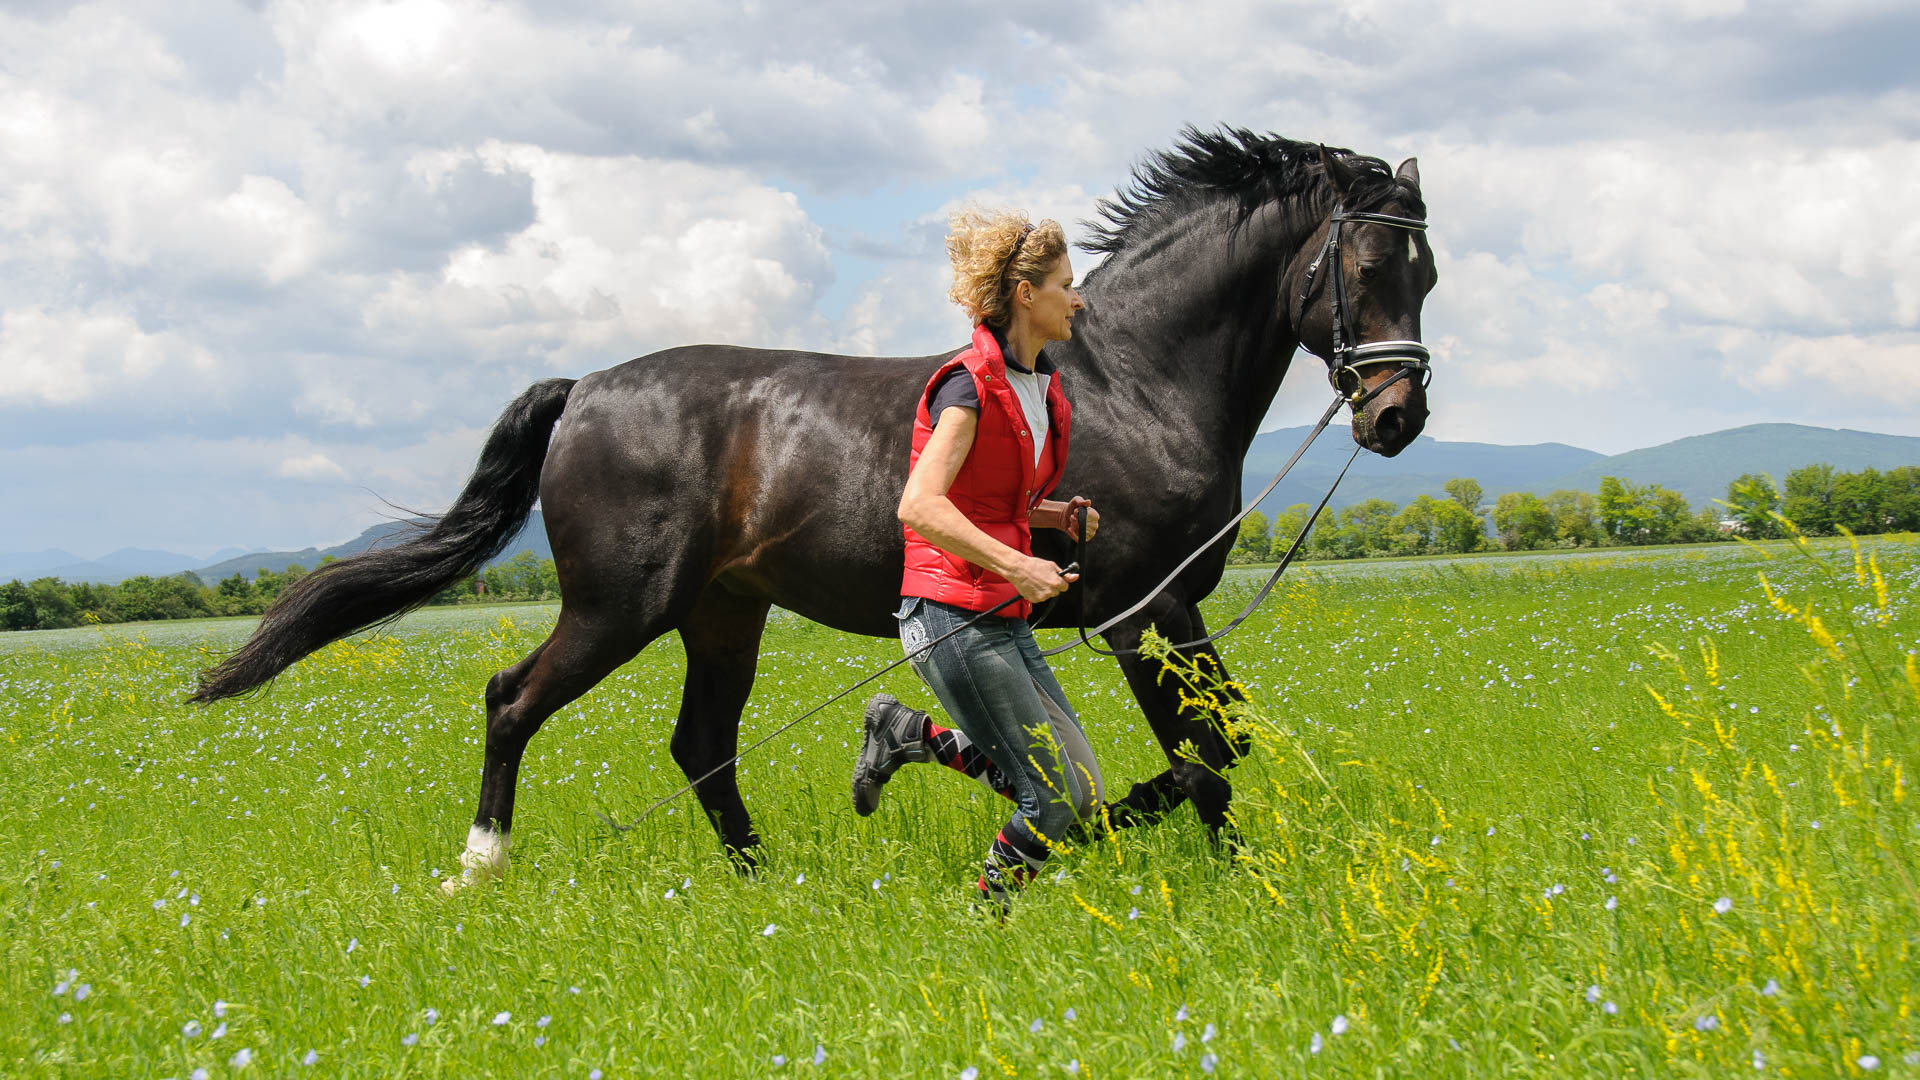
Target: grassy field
{"x": 1609, "y": 815}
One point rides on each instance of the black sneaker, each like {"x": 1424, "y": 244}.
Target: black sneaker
{"x": 895, "y": 735}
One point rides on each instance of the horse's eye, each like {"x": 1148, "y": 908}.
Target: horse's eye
{"x": 1369, "y": 273}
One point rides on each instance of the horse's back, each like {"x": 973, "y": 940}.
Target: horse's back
{"x": 773, "y": 472}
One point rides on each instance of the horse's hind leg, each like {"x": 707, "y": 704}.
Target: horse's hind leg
{"x": 579, "y": 653}
{"x": 722, "y": 639}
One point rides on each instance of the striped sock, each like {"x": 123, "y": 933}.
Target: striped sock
{"x": 1011, "y": 863}
{"x": 954, "y": 750}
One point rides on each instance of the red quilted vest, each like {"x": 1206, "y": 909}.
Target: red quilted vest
{"x": 997, "y": 486}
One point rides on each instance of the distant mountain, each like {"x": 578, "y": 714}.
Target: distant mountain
{"x": 1420, "y": 469}
{"x": 107, "y": 569}
{"x": 26, "y": 565}
{"x": 531, "y": 537}
{"x": 1701, "y": 466}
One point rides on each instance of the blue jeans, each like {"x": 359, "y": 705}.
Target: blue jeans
{"x": 1000, "y": 693}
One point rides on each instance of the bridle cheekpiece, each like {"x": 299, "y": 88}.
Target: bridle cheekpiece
{"x": 1344, "y": 366}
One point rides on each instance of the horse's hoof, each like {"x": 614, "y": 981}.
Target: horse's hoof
{"x": 746, "y": 860}
{"x": 454, "y": 886}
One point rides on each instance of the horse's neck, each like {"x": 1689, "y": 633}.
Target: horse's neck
{"x": 1193, "y": 326}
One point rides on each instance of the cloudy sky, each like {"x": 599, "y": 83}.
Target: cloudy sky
{"x": 263, "y": 265}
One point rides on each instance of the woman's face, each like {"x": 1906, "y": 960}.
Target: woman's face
{"x": 1052, "y": 303}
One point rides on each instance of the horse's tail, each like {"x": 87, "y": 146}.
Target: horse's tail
{"x": 343, "y": 597}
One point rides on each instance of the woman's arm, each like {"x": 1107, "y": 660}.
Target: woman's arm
{"x": 925, "y": 508}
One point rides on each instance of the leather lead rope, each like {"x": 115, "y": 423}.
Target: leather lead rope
{"x": 1086, "y": 635}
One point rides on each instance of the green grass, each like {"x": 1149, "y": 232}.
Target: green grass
{"x": 1456, "y": 766}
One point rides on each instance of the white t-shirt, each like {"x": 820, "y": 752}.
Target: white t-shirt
{"x": 1031, "y": 388}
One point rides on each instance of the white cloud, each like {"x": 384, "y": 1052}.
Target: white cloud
{"x": 1883, "y": 369}
{"x": 624, "y": 254}
{"x": 311, "y": 467}
{"x": 70, "y": 357}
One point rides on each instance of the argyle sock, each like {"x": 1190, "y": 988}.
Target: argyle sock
{"x": 954, "y": 750}
{"x": 1011, "y": 863}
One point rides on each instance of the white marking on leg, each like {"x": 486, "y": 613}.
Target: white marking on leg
{"x": 484, "y": 858}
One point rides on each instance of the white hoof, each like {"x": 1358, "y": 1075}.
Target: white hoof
{"x": 485, "y": 859}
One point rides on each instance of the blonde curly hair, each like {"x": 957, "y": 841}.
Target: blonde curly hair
{"x": 991, "y": 250}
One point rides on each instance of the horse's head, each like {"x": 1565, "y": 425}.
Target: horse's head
{"x": 1358, "y": 288}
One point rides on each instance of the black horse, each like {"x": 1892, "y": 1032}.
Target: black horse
{"x": 691, "y": 489}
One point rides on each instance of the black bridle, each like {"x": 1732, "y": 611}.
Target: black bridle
{"x": 1349, "y": 357}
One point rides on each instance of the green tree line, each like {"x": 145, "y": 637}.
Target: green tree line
{"x": 52, "y": 604}
{"x": 1817, "y": 498}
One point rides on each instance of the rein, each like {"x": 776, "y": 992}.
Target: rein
{"x": 1345, "y": 365}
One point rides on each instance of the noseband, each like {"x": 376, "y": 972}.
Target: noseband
{"x": 1343, "y": 367}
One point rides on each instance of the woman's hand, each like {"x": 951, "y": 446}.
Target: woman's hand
{"x": 1072, "y": 514}
{"x": 1065, "y": 516}
{"x": 1038, "y": 579}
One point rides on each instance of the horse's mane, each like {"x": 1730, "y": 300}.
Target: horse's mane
{"x": 1231, "y": 163}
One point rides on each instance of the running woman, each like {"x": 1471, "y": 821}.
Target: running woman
{"x": 989, "y": 441}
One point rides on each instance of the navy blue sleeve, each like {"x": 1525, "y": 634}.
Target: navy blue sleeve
{"x": 955, "y": 389}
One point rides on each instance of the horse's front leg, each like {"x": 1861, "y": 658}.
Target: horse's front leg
{"x": 1197, "y": 753}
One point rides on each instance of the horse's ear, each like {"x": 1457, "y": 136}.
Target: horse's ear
{"x": 1340, "y": 175}
{"x": 1409, "y": 171}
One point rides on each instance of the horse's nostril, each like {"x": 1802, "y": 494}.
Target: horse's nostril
{"x": 1387, "y": 424}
